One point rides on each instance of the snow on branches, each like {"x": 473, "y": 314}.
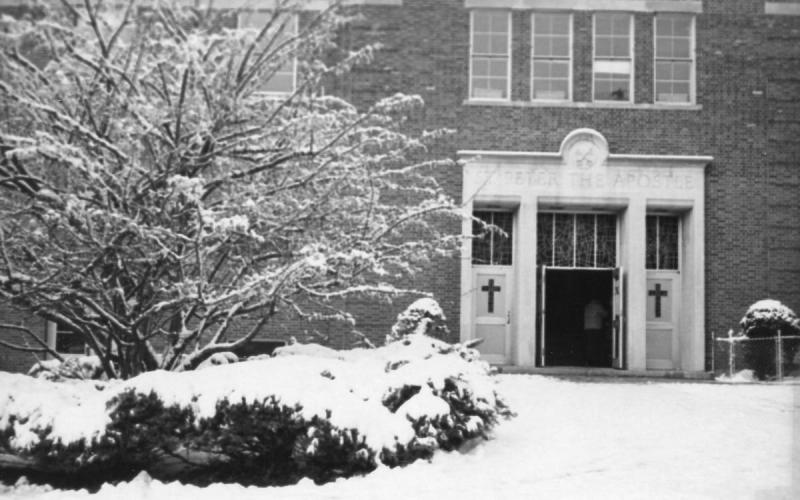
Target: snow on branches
{"x": 153, "y": 196}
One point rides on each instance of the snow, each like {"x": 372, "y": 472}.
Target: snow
{"x": 571, "y": 439}
{"x": 347, "y": 388}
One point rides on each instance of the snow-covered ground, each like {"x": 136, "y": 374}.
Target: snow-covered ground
{"x": 575, "y": 439}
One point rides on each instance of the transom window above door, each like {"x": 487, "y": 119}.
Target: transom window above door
{"x": 576, "y": 240}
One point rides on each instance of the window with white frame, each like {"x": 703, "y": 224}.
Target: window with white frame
{"x": 613, "y": 57}
{"x": 551, "y": 52}
{"x": 674, "y": 58}
{"x": 490, "y": 55}
{"x": 663, "y": 242}
{"x": 282, "y": 79}
{"x": 64, "y": 340}
{"x": 492, "y": 237}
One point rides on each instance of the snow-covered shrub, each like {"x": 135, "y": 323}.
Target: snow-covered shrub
{"x": 764, "y": 319}
{"x": 73, "y": 367}
{"x": 308, "y": 412}
{"x": 423, "y": 316}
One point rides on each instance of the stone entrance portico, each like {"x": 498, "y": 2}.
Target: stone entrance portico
{"x": 584, "y": 177}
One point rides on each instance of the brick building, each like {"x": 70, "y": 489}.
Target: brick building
{"x": 640, "y": 155}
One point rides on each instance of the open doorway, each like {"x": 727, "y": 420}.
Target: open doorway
{"x": 578, "y": 317}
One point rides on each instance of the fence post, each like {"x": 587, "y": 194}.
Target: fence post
{"x": 731, "y": 357}
{"x": 779, "y": 356}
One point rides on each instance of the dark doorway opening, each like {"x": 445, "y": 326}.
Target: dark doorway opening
{"x": 578, "y": 317}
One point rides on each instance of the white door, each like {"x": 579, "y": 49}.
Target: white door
{"x": 662, "y": 339}
{"x": 492, "y": 306}
{"x": 618, "y": 321}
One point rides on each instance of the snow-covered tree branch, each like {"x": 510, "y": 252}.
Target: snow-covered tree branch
{"x": 153, "y": 195}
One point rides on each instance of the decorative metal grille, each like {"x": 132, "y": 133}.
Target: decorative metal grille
{"x": 576, "y": 240}
{"x": 662, "y": 242}
{"x": 492, "y": 238}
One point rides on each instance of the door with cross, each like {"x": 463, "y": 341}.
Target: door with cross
{"x": 662, "y": 318}
{"x": 491, "y": 303}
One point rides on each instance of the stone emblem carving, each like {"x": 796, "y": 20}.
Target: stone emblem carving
{"x": 584, "y": 149}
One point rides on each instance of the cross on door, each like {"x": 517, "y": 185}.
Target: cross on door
{"x": 491, "y": 289}
{"x": 658, "y": 293}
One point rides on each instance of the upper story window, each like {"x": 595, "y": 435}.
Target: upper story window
{"x": 674, "y": 59}
{"x": 551, "y": 49}
{"x": 613, "y": 57}
{"x": 283, "y": 79}
{"x": 490, "y": 55}
{"x": 492, "y": 237}
{"x": 663, "y": 241}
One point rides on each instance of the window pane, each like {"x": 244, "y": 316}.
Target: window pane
{"x": 602, "y": 24}
{"x": 663, "y": 47}
{"x": 480, "y": 21}
{"x": 602, "y": 47}
{"x": 668, "y": 243}
{"x": 682, "y": 26}
{"x": 500, "y": 22}
{"x": 541, "y": 69}
{"x": 498, "y": 68}
{"x": 542, "y": 24}
{"x": 622, "y": 24}
{"x": 584, "y": 240}
{"x": 612, "y": 67}
{"x": 560, "y": 46}
{"x": 559, "y": 69}
{"x": 681, "y": 48}
{"x": 480, "y": 67}
{"x": 663, "y": 71}
{"x": 651, "y": 257}
{"x": 621, "y": 47}
{"x": 606, "y": 241}
{"x": 680, "y": 71}
{"x": 561, "y": 24}
{"x": 480, "y": 44}
{"x": 663, "y": 26}
{"x": 544, "y": 239}
{"x": 498, "y": 87}
{"x": 503, "y": 242}
{"x": 481, "y": 239}
{"x": 564, "y": 240}
{"x": 280, "y": 82}
{"x": 541, "y": 46}
{"x": 558, "y": 89}
{"x": 499, "y": 44}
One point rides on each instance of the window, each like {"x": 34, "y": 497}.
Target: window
{"x": 65, "y": 340}
{"x": 613, "y": 60}
{"x": 490, "y": 58}
{"x": 576, "y": 240}
{"x": 674, "y": 58}
{"x": 492, "y": 244}
{"x": 282, "y": 80}
{"x": 551, "y": 49}
{"x": 662, "y": 242}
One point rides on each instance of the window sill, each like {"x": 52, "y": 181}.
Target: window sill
{"x": 583, "y": 105}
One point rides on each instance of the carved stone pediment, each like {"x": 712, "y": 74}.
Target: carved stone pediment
{"x": 584, "y": 149}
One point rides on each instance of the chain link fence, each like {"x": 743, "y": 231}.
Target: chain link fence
{"x": 769, "y": 358}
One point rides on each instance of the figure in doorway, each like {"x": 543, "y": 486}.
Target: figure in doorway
{"x": 595, "y": 316}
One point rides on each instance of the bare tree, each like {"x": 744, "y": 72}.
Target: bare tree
{"x": 153, "y": 195}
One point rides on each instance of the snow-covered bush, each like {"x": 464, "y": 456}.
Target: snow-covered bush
{"x": 764, "y": 319}
{"x": 308, "y": 412}
{"x": 423, "y": 316}
{"x": 73, "y": 367}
